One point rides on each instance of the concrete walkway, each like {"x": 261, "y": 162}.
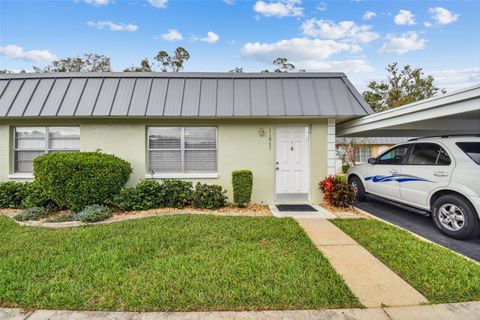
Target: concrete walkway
{"x": 370, "y": 280}
{"x": 464, "y": 311}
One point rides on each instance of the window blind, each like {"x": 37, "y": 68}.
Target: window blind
{"x": 182, "y": 149}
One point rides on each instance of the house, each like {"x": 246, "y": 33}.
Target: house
{"x": 195, "y": 126}
{"x": 364, "y": 148}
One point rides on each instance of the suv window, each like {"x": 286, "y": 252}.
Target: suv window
{"x": 472, "y": 149}
{"x": 394, "y": 156}
{"x": 428, "y": 154}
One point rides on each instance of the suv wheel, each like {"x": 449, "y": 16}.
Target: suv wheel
{"x": 357, "y": 186}
{"x": 455, "y": 217}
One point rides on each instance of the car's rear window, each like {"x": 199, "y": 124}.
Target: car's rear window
{"x": 472, "y": 149}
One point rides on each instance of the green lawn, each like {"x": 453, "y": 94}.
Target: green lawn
{"x": 174, "y": 263}
{"x": 439, "y": 274}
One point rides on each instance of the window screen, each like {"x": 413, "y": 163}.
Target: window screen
{"x": 182, "y": 149}
{"x": 429, "y": 154}
{"x": 395, "y": 156}
{"x": 31, "y": 142}
{"x": 362, "y": 154}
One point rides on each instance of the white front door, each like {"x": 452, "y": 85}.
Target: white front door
{"x": 291, "y": 149}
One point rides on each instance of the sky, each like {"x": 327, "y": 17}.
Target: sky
{"x": 357, "y": 37}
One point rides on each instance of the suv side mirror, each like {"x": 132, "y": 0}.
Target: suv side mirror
{"x": 372, "y": 161}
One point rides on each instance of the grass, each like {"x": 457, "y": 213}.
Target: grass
{"x": 174, "y": 263}
{"x": 439, "y": 274}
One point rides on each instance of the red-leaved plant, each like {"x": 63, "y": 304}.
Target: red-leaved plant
{"x": 337, "y": 193}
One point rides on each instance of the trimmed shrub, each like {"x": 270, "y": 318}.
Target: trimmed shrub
{"x": 12, "y": 194}
{"x": 126, "y": 200}
{"x": 208, "y": 196}
{"x": 337, "y": 193}
{"x": 176, "y": 193}
{"x": 242, "y": 181}
{"x": 341, "y": 178}
{"x": 146, "y": 195}
{"x": 75, "y": 180}
{"x": 34, "y": 213}
{"x": 37, "y": 197}
{"x": 345, "y": 167}
{"x": 94, "y": 213}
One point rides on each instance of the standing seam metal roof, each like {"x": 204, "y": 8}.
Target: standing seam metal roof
{"x": 179, "y": 95}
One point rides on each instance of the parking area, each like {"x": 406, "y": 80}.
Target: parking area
{"x": 420, "y": 225}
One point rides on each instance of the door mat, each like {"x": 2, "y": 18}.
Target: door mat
{"x": 296, "y": 207}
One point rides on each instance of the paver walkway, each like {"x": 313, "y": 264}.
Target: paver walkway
{"x": 370, "y": 280}
{"x": 453, "y": 311}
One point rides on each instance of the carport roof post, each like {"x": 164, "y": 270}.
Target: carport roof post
{"x": 456, "y": 112}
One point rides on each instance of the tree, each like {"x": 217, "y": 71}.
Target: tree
{"x": 403, "y": 86}
{"x": 90, "y": 62}
{"x": 283, "y": 65}
{"x": 145, "y": 66}
{"x": 236, "y": 70}
{"x": 172, "y": 63}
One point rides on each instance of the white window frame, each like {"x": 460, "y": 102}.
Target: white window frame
{"x": 46, "y": 149}
{"x": 361, "y": 152}
{"x": 182, "y": 174}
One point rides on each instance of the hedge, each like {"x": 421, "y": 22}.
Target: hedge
{"x": 75, "y": 180}
{"x": 209, "y": 196}
{"x": 12, "y": 194}
{"x": 242, "y": 181}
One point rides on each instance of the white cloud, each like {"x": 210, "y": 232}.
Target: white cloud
{"x": 280, "y": 8}
{"x": 98, "y": 2}
{"x": 296, "y": 49}
{"x": 211, "y": 37}
{"x": 427, "y": 24}
{"x": 454, "y": 79}
{"x": 403, "y": 43}
{"x": 112, "y": 26}
{"x": 16, "y": 52}
{"x": 160, "y": 4}
{"x": 322, "y": 6}
{"x": 442, "y": 15}
{"x": 172, "y": 35}
{"x": 368, "y": 15}
{"x": 404, "y": 17}
{"x": 347, "y": 30}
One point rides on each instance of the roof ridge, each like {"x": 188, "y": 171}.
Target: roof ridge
{"x": 225, "y": 75}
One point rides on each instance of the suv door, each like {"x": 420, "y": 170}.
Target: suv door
{"x": 428, "y": 167}
{"x": 380, "y": 177}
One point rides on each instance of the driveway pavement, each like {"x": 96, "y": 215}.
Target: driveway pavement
{"x": 420, "y": 225}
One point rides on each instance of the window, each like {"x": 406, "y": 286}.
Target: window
{"x": 182, "y": 150}
{"x": 31, "y": 142}
{"x": 362, "y": 154}
{"x": 394, "y": 156}
{"x": 428, "y": 154}
{"x": 472, "y": 149}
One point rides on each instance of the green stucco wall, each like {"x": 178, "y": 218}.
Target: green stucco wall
{"x": 239, "y": 147}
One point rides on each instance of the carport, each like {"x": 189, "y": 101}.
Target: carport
{"x": 457, "y": 112}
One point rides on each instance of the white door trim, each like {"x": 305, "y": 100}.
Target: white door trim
{"x": 307, "y": 141}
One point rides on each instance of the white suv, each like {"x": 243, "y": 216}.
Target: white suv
{"x": 440, "y": 175}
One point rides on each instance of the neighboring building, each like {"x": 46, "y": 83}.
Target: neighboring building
{"x": 365, "y": 148}
{"x": 195, "y": 126}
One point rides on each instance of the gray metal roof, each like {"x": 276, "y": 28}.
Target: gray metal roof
{"x": 373, "y": 140}
{"x": 179, "y": 95}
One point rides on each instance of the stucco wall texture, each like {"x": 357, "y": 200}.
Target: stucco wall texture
{"x": 240, "y": 146}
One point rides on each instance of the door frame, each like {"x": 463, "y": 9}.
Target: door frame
{"x": 308, "y": 131}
